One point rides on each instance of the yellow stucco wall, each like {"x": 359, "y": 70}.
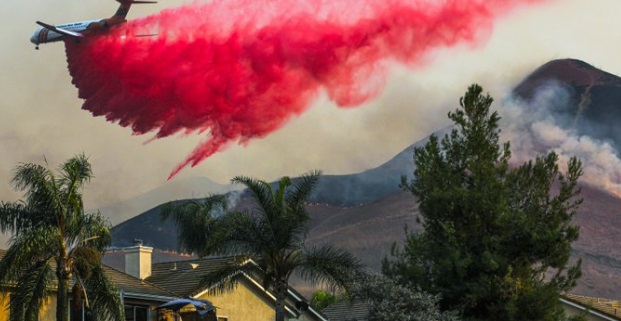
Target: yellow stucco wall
{"x": 244, "y": 303}
{"x": 47, "y": 312}
{"x": 4, "y": 307}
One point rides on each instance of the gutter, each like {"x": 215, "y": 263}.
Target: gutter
{"x": 591, "y": 311}
{"x": 135, "y": 295}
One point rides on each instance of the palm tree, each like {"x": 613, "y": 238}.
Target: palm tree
{"x": 271, "y": 233}
{"x": 55, "y": 243}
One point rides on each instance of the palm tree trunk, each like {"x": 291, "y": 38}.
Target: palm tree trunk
{"x": 62, "y": 299}
{"x": 281, "y": 295}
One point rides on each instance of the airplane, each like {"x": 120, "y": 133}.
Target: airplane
{"x": 49, "y": 33}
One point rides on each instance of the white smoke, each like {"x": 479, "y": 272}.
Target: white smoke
{"x": 533, "y": 129}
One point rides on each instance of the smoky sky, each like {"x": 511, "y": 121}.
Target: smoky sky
{"x": 42, "y": 115}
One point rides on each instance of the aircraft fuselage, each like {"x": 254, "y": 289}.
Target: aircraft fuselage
{"x": 45, "y": 35}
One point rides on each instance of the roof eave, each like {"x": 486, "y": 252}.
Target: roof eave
{"x": 588, "y": 310}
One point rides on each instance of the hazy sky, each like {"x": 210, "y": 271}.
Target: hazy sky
{"x": 42, "y": 116}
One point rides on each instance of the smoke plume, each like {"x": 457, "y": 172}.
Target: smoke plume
{"x": 533, "y": 130}
{"x": 237, "y": 70}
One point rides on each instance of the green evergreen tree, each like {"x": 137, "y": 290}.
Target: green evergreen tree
{"x": 54, "y": 243}
{"x": 497, "y": 239}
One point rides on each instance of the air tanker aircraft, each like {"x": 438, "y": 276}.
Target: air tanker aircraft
{"x": 77, "y": 30}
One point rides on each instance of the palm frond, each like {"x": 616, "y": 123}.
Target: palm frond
{"x": 302, "y": 188}
{"x": 31, "y": 289}
{"x": 104, "y": 297}
{"x": 91, "y": 230}
{"x": 42, "y": 193}
{"x": 329, "y": 265}
{"x": 279, "y": 198}
{"x": 195, "y": 220}
{"x": 233, "y": 234}
{"x": 35, "y": 245}
{"x": 260, "y": 191}
{"x": 14, "y": 217}
{"x": 84, "y": 259}
{"x": 75, "y": 172}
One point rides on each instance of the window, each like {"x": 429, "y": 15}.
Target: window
{"x": 223, "y": 319}
{"x": 79, "y": 312}
{"x": 136, "y": 313}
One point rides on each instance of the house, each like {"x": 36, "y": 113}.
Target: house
{"x": 249, "y": 301}
{"x": 139, "y": 298}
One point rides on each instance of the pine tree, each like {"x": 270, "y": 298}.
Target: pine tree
{"x": 497, "y": 239}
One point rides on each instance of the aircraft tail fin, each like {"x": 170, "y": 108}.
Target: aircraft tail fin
{"x": 123, "y": 9}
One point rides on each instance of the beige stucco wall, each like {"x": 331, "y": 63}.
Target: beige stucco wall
{"x": 248, "y": 303}
{"x": 245, "y": 303}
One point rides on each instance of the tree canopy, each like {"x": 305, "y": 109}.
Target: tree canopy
{"x": 54, "y": 243}
{"x": 497, "y": 238}
{"x": 390, "y": 300}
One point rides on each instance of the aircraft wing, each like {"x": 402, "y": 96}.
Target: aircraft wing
{"x": 60, "y": 30}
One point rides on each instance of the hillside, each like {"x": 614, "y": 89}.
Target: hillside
{"x": 366, "y": 212}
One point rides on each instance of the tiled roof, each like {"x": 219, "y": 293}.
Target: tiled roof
{"x": 136, "y": 287}
{"x": 347, "y": 311}
{"x": 608, "y": 307}
{"x": 184, "y": 277}
{"x": 130, "y": 285}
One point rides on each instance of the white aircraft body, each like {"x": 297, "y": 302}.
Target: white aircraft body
{"x": 50, "y": 33}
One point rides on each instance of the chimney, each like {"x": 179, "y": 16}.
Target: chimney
{"x": 138, "y": 260}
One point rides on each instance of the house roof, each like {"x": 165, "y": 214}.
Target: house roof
{"x": 183, "y": 277}
{"x": 137, "y": 288}
{"x": 347, "y": 311}
{"x": 608, "y": 307}
{"x": 131, "y": 286}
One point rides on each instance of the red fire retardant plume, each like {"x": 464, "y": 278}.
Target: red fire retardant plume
{"x": 240, "y": 69}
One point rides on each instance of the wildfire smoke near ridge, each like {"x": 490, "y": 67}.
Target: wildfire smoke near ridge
{"x": 238, "y": 70}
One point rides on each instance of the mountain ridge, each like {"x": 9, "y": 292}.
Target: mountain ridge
{"x": 367, "y": 212}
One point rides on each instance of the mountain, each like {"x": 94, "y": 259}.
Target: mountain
{"x": 366, "y": 212}
{"x": 589, "y": 98}
{"x": 171, "y": 190}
